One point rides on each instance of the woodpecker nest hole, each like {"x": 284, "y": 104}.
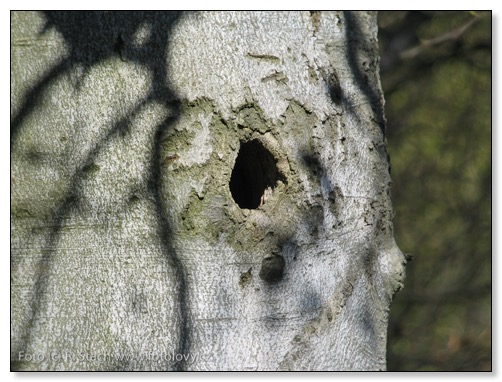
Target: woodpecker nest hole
{"x": 254, "y": 176}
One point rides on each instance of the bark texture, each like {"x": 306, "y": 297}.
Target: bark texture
{"x": 199, "y": 191}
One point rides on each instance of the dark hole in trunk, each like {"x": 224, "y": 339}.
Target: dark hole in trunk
{"x": 254, "y": 172}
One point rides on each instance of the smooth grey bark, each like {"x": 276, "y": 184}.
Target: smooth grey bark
{"x": 199, "y": 191}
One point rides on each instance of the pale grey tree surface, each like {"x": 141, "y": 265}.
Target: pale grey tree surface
{"x": 199, "y": 191}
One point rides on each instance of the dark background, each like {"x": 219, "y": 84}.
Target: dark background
{"x": 436, "y": 76}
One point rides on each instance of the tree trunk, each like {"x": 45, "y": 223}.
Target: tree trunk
{"x": 199, "y": 191}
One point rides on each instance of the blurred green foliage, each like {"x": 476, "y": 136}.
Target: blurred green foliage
{"x": 436, "y": 77}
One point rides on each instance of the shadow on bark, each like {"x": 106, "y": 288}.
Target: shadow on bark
{"x": 358, "y": 43}
{"x": 93, "y": 37}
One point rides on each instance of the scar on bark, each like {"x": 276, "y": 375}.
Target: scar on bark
{"x": 272, "y": 268}
{"x": 315, "y": 17}
{"x": 245, "y": 278}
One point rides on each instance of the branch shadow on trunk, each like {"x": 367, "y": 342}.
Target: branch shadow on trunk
{"x": 357, "y": 43}
{"x": 93, "y": 37}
